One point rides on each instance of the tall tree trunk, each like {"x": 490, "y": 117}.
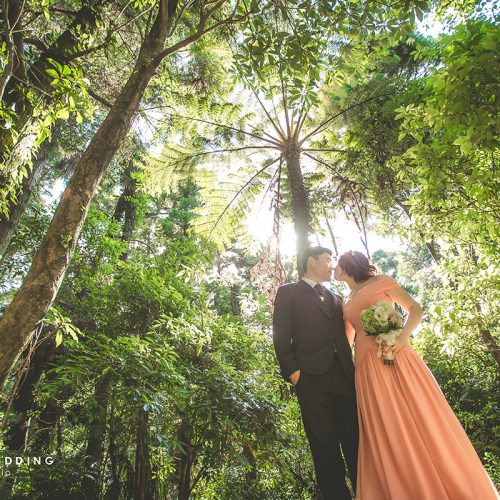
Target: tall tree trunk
{"x": 49, "y": 417}
{"x": 185, "y": 475}
{"x": 252, "y": 473}
{"x": 300, "y": 203}
{"x": 95, "y": 443}
{"x": 185, "y": 463}
{"x": 116, "y": 486}
{"x": 8, "y": 225}
{"x": 126, "y": 209}
{"x": 491, "y": 346}
{"x": 332, "y": 235}
{"x": 143, "y": 480}
{"x": 52, "y": 259}
{"x": 235, "y": 301}
{"x": 14, "y": 41}
{"x": 24, "y": 401}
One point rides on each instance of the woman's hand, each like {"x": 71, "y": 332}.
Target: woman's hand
{"x": 415, "y": 313}
{"x": 413, "y": 308}
{"x": 401, "y": 341}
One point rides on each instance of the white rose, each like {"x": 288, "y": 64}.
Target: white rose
{"x": 381, "y": 316}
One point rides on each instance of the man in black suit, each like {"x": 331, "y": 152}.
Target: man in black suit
{"x": 314, "y": 355}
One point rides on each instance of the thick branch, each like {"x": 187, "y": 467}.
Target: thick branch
{"x": 99, "y": 99}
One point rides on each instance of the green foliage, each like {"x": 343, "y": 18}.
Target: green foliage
{"x": 28, "y": 236}
{"x": 288, "y": 51}
{"x": 460, "y": 98}
{"x": 207, "y": 382}
{"x": 469, "y": 380}
{"x": 52, "y": 81}
{"x": 69, "y": 93}
{"x": 166, "y": 339}
{"x": 61, "y": 478}
{"x": 63, "y": 326}
{"x": 407, "y": 157}
{"x": 386, "y": 261}
{"x": 452, "y": 177}
{"x": 156, "y": 332}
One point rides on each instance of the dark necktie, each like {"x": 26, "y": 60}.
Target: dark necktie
{"x": 320, "y": 291}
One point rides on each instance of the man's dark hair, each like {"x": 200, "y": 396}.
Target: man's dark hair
{"x": 314, "y": 252}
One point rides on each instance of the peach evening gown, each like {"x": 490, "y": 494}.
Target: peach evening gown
{"x": 411, "y": 445}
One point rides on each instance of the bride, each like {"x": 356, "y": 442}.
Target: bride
{"x": 412, "y": 447}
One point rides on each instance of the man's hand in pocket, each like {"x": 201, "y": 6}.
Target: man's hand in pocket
{"x": 294, "y": 377}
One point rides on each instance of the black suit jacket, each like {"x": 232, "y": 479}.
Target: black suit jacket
{"x": 307, "y": 331}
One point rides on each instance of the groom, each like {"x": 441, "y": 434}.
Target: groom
{"x": 314, "y": 355}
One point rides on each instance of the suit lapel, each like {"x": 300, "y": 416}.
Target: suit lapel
{"x": 324, "y": 306}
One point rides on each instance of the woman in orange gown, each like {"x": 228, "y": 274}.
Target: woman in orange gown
{"x": 411, "y": 446}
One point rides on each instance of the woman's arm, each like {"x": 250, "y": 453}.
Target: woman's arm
{"x": 415, "y": 313}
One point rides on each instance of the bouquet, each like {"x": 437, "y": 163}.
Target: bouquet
{"x": 384, "y": 322}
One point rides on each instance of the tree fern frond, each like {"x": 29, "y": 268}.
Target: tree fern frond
{"x": 221, "y": 216}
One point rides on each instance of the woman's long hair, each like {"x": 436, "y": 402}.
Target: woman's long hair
{"x": 357, "y": 266}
